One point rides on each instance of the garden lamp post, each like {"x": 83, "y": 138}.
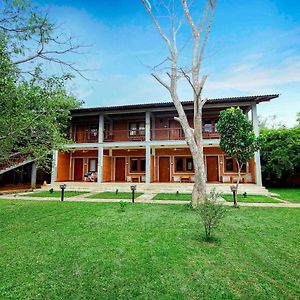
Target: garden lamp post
{"x": 133, "y": 188}
{"x": 234, "y": 190}
{"x": 63, "y": 187}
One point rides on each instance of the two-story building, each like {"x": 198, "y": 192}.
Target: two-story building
{"x": 143, "y": 143}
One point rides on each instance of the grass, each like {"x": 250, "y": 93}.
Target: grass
{"x": 287, "y": 194}
{"x": 252, "y": 199}
{"x": 68, "y": 250}
{"x": 113, "y": 195}
{"x": 170, "y": 196}
{"x": 57, "y": 194}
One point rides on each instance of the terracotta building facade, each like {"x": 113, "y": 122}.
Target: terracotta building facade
{"x": 143, "y": 143}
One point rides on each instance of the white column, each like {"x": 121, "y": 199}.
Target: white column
{"x": 148, "y": 151}
{"x": 100, "y": 129}
{"x": 257, "y": 153}
{"x": 153, "y": 125}
{"x": 100, "y": 164}
{"x": 100, "y": 149}
{"x": 148, "y": 162}
{"x": 33, "y": 175}
{"x": 54, "y": 167}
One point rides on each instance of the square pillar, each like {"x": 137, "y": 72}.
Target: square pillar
{"x": 100, "y": 128}
{"x": 148, "y": 162}
{"x": 54, "y": 166}
{"x": 257, "y": 153}
{"x": 33, "y": 175}
{"x": 100, "y": 164}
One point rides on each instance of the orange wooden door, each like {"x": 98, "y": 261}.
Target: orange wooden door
{"x": 120, "y": 169}
{"x": 174, "y": 133}
{"x": 164, "y": 169}
{"x": 212, "y": 168}
{"x": 78, "y": 169}
{"x": 80, "y": 134}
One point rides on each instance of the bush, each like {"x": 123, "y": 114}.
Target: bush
{"x": 211, "y": 213}
{"x": 122, "y": 205}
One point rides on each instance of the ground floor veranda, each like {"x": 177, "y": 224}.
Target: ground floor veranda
{"x": 139, "y": 165}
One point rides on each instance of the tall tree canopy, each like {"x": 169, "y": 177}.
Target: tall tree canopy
{"x": 237, "y": 137}
{"x": 34, "y": 114}
{"x": 280, "y": 153}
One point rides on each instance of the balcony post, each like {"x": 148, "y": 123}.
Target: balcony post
{"x": 100, "y": 149}
{"x": 148, "y": 152}
{"x": 152, "y": 130}
{"x": 54, "y": 166}
{"x": 257, "y": 153}
{"x": 100, "y": 129}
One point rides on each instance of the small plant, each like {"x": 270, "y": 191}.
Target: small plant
{"x": 177, "y": 193}
{"x": 245, "y": 195}
{"x": 51, "y": 191}
{"x": 211, "y": 213}
{"x": 122, "y": 205}
{"x": 117, "y": 191}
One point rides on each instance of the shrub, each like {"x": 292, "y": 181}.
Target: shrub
{"x": 51, "y": 191}
{"x": 122, "y": 205}
{"x": 211, "y": 213}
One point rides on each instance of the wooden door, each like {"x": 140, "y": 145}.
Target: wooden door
{"x": 120, "y": 169}
{"x": 175, "y": 130}
{"x": 80, "y": 138}
{"x": 164, "y": 169}
{"x": 212, "y": 168}
{"x": 78, "y": 169}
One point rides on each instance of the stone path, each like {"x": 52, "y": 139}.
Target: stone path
{"x": 145, "y": 198}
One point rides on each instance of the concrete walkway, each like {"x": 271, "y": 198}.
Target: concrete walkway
{"x": 145, "y": 198}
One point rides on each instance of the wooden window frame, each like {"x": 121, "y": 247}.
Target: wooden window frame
{"x": 139, "y": 131}
{"x": 139, "y": 169}
{"x": 184, "y": 164}
{"x": 235, "y": 168}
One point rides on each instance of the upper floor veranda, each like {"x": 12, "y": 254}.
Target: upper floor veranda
{"x": 151, "y": 122}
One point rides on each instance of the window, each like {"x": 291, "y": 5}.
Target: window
{"x": 207, "y": 126}
{"x": 179, "y": 164}
{"x": 143, "y": 165}
{"x": 138, "y": 165}
{"x": 184, "y": 164}
{"x": 189, "y": 164}
{"x": 134, "y": 165}
{"x": 136, "y": 128}
{"x": 229, "y": 165}
{"x": 92, "y": 165}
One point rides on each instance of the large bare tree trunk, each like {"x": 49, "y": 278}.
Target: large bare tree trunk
{"x": 193, "y": 136}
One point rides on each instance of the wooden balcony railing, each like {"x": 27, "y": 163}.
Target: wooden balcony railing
{"x": 159, "y": 134}
{"x": 87, "y": 136}
{"x": 123, "y": 135}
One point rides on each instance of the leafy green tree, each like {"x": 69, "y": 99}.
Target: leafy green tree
{"x": 280, "y": 153}
{"x": 32, "y": 38}
{"x": 34, "y": 114}
{"x": 237, "y": 138}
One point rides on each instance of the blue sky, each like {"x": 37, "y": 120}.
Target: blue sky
{"x": 254, "y": 48}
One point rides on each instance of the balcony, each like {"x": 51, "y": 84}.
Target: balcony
{"x": 88, "y": 136}
{"x": 159, "y": 134}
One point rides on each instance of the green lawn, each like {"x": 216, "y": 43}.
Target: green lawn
{"x": 68, "y": 250}
{"x": 170, "y": 196}
{"x": 252, "y": 199}
{"x": 54, "y": 194}
{"x": 113, "y": 195}
{"x": 288, "y": 194}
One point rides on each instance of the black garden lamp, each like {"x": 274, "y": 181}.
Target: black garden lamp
{"x": 133, "y": 188}
{"x": 234, "y": 190}
{"x": 63, "y": 187}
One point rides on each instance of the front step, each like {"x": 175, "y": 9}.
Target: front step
{"x": 155, "y": 188}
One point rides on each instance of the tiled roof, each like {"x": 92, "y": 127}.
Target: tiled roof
{"x": 257, "y": 99}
